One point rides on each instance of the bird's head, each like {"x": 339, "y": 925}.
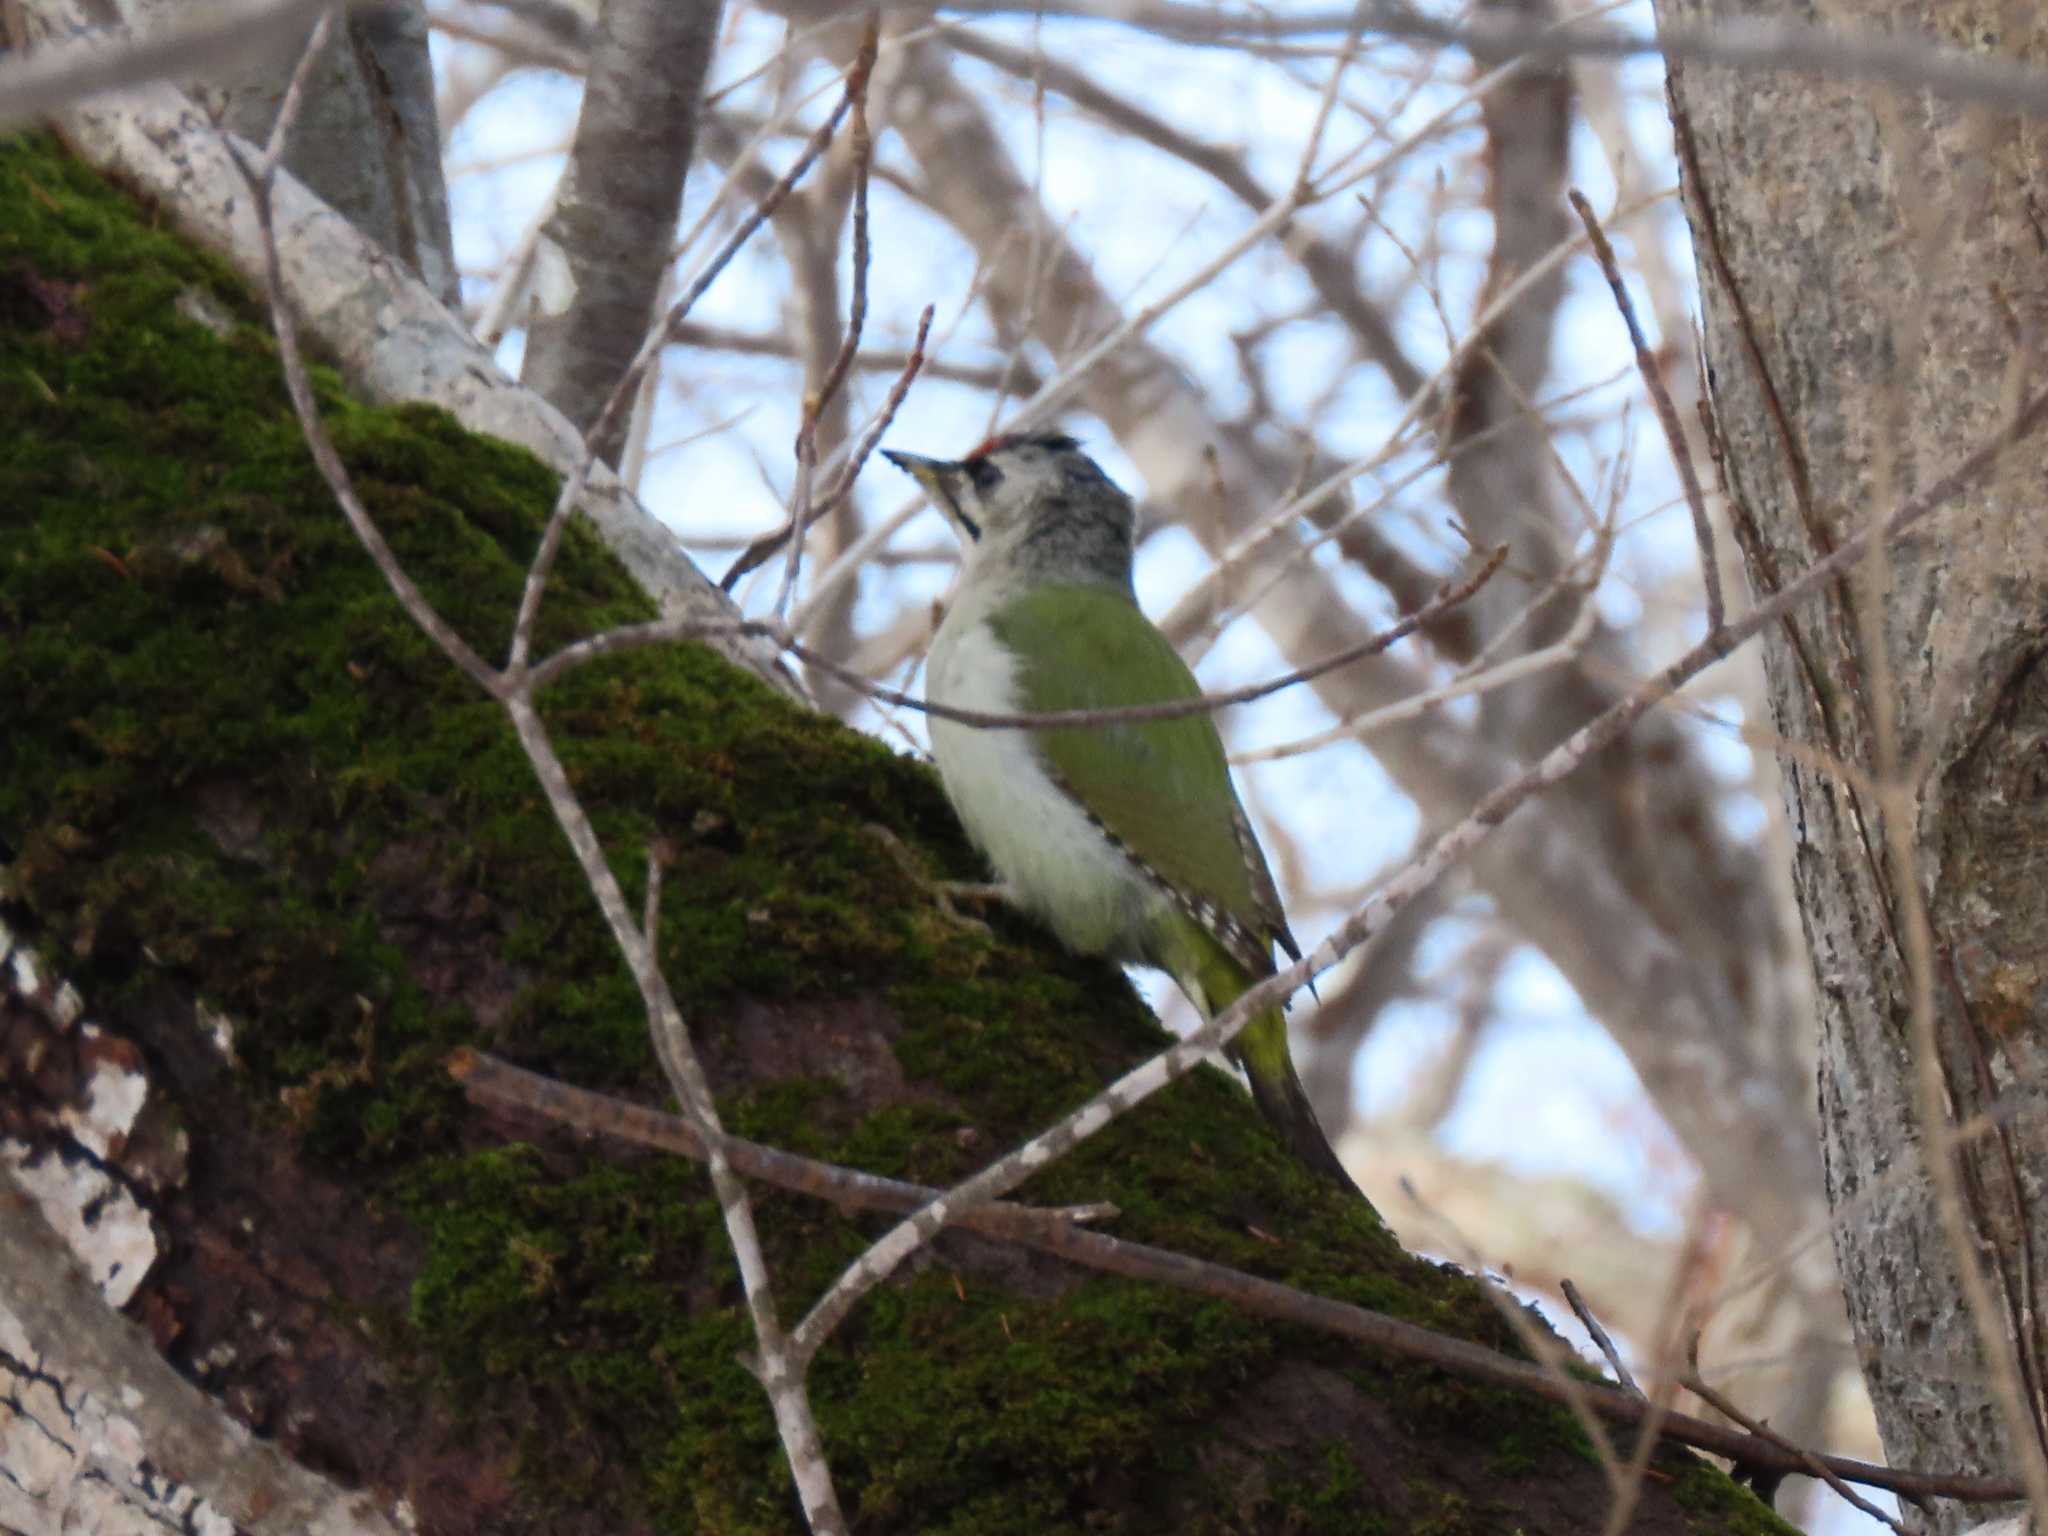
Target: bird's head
{"x": 1031, "y": 499}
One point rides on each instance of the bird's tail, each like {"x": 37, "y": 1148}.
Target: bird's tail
{"x": 1213, "y": 979}
{"x": 1261, "y": 1049}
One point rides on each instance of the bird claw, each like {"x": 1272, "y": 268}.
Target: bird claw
{"x": 979, "y": 893}
{"x": 944, "y": 893}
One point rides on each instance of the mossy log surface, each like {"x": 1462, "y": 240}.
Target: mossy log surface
{"x": 237, "y": 782}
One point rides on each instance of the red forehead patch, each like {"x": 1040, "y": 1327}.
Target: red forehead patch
{"x": 1057, "y": 442}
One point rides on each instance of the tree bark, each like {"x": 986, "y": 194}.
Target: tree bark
{"x": 1871, "y": 272}
{"x": 367, "y": 140}
{"x": 614, "y": 221}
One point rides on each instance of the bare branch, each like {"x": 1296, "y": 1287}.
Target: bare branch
{"x": 1812, "y": 1465}
{"x": 1550, "y": 1352}
{"x": 914, "y": 363}
{"x": 1332, "y": 270}
{"x": 492, "y": 1082}
{"x": 628, "y": 384}
{"x": 1251, "y": 544}
{"x": 1911, "y": 63}
{"x": 51, "y": 79}
{"x": 778, "y": 1368}
{"x": 1599, "y": 1337}
{"x": 664, "y": 631}
{"x": 1010, "y": 374}
{"x": 805, "y": 510}
{"x": 1480, "y": 677}
{"x": 1667, "y": 413}
{"x": 261, "y": 175}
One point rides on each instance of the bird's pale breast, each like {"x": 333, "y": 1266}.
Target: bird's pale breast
{"x": 1056, "y": 860}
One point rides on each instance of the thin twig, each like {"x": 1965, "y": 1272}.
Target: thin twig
{"x": 60, "y": 73}
{"x": 1809, "y": 1463}
{"x": 41, "y": 83}
{"x": 1332, "y": 271}
{"x": 294, "y": 102}
{"x": 1912, "y": 61}
{"x": 491, "y": 1082}
{"x": 1667, "y": 413}
{"x": 658, "y": 336}
{"x": 1599, "y": 1336}
{"x": 804, "y": 511}
{"x": 1479, "y": 677}
{"x": 760, "y": 549}
{"x": 1303, "y": 179}
{"x": 849, "y": 471}
{"x": 914, "y": 363}
{"x": 664, "y": 631}
{"x": 1545, "y": 1348}
{"x": 1397, "y": 439}
{"x": 650, "y": 912}
{"x": 863, "y": 159}
{"x": 1277, "y": 217}
{"x": 779, "y": 1371}
{"x": 260, "y": 176}
{"x": 515, "y": 274}
{"x": 1672, "y": 1317}
{"x": 725, "y": 338}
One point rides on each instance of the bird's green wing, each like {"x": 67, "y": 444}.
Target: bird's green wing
{"x": 1160, "y": 787}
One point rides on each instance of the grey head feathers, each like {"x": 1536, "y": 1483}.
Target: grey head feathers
{"x": 1033, "y": 501}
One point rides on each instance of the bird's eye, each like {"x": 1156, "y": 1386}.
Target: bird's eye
{"x": 986, "y": 476}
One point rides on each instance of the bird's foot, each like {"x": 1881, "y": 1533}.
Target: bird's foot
{"x": 978, "y": 893}
{"x": 944, "y": 893}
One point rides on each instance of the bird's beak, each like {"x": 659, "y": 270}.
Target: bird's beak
{"x": 921, "y": 469}
{"x": 938, "y": 477}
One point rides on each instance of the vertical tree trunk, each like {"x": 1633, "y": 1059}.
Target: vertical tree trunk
{"x": 1872, "y": 273}
{"x": 614, "y": 221}
{"x": 367, "y": 139}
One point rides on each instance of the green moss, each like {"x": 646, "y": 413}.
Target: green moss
{"x": 1331, "y": 1497}
{"x": 236, "y": 771}
{"x": 1713, "y": 1501}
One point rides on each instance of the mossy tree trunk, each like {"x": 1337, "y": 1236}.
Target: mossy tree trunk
{"x": 1876, "y": 301}
{"x": 285, "y": 859}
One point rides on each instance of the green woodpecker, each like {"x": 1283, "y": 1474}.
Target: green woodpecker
{"x": 1126, "y": 840}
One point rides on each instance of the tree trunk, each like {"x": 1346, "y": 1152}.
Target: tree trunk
{"x": 1876, "y": 298}
{"x": 283, "y": 859}
{"x": 613, "y": 226}
{"x": 367, "y": 140}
